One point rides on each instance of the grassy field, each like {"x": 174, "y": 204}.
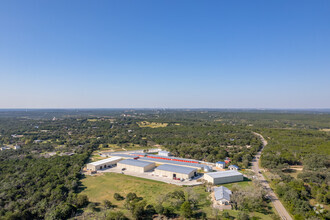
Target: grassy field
{"x": 242, "y": 184}
{"x": 101, "y": 187}
{"x": 146, "y": 124}
{"x": 104, "y": 186}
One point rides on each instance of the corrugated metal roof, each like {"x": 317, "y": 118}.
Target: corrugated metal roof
{"x": 164, "y": 152}
{"x": 100, "y": 162}
{"x": 176, "y": 169}
{"x": 222, "y": 193}
{"x": 178, "y": 158}
{"x": 137, "y": 163}
{"x": 221, "y": 162}
{"x": 124, "y": 155}
{"x": 174, "y": 162}
{"x": 226, "y": 173}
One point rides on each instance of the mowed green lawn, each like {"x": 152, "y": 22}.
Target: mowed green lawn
{"x": 101, "y": 187}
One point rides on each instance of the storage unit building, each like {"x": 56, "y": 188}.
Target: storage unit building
{"x": 221, "y": 177}
{"x": 136, "y": 165}
{"x": 102, "y": 164}
{"x": 175, "y": 172}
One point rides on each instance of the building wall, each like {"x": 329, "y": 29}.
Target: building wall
{"x": 136, "y": 169}
{"x": 221, "y": 180}
{"x": 223, "y": 202}
{"x": 101, "y": 166}
{"x": 169, "y": 174}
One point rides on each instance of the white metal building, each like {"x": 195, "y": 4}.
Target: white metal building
{"x": 102, "y": 164}
{"x": 164, "y": 153}
{"x": 222, "y": 195}
{"x": 136, "y": 165}
{"x": 172, "y": 171}
{"x": 221, "y": 177}
{"x": 220, "y": 164}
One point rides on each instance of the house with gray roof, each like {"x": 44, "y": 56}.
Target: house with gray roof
{"x": 222, "y": 195}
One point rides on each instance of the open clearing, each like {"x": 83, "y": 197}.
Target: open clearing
{"x": 101, "y": 187}
{"x": 146, "y": 124}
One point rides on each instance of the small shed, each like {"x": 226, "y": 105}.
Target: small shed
{"x": 137, "y": 166}
{"x": 207, "y": 168}
{"x": 220, "y": 164}
{"x": 233, "y": 167}
{"x": 164, "y": 153}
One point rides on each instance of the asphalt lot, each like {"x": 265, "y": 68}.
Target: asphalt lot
{"x": 151, "y": 176}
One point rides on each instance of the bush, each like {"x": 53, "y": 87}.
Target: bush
{"x": 118, "y": 197}
{"x": 116, "y": 216}
{"x": 186, "y": 210}
{"x": 82, "y": 201}
{"x": 91, "y": 206}
{"x": 107, "y": 204}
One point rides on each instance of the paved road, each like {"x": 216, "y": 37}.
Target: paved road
{"x": 276, "y": 202}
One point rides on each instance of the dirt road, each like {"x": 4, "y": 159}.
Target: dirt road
{"x": 276, "y": 202}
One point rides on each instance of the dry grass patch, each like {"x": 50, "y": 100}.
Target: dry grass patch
{"x": 146, "y": 124}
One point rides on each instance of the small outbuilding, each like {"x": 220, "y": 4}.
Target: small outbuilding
{"x": 175, "y": 172}
{"x": 222, "y": 195}
{"x": 233, "y": 167}
{"x": 222, "y": 177}
{"x": 102, "y": 164}
{"x": 207, "y": 168}
{"x": 164, "y": 153}
{"x": 137, "y": 166}
{"x": 221, "y": 164}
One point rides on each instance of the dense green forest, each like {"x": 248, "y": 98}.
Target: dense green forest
{"x": 41, "y": 180}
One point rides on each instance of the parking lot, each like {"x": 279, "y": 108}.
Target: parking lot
{"x": 150, "y": 175}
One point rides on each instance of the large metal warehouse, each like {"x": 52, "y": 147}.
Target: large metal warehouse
{"x": 221, "y": 177}
{"x": 172, "y": 171}
{"x": 101, "y": 164}
{"x": 136, "y": 165}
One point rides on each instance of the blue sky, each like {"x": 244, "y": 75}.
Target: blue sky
{"x": 167, "y": 54}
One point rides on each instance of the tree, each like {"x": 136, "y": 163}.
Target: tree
{"x": 116, "y": 216}
{"x": 82, "y": 201}
{"x": 138, "y": 210}
{"x": 107, "y": 204}
{"x": 159, "y": 208}
{"x": 243, "y": 216}
{"x": 186, "y": 210}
